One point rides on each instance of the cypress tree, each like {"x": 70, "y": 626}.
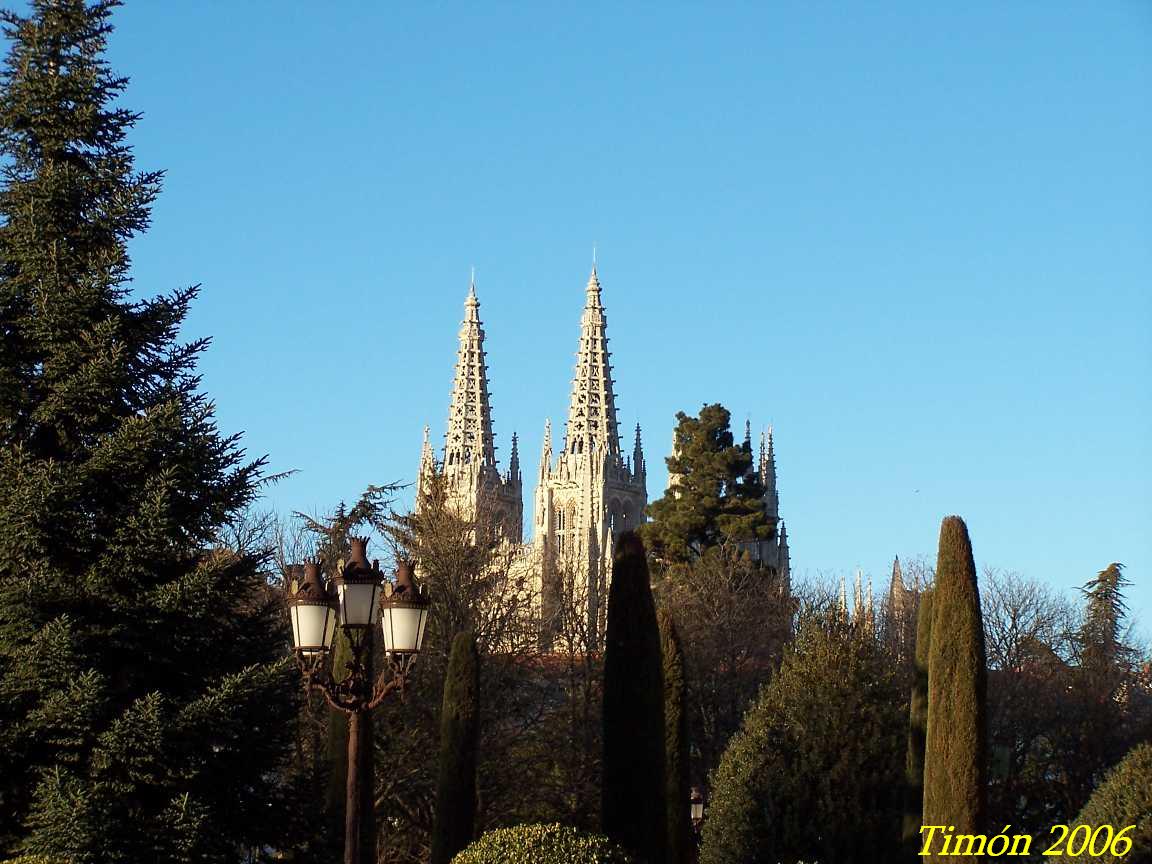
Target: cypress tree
{"x": 143, "y": 680}
{"x": 680, "y": 840}
{"x": 955, "y": 752}
{"x": 459, "y": 729}
{"x": 633, "y": 808}
{"x": 917, "y": 729}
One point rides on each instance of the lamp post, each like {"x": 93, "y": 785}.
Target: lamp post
{"x": 358, "y": 599}
{"x": 696, "y": 808}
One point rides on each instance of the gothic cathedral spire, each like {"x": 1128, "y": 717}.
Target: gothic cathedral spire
{"x": 469, "y": 437}
{"x": 472, "y": 479}
{"x": 591, "y": 494}
{"x": 592, "y": 407}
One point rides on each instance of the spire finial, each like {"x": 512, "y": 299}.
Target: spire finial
{"x": 514, "y": 460}
{"x": 593, "y": 287}
{"x": 472, "y": 287}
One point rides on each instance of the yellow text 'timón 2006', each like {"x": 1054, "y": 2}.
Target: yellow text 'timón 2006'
{"x": 1083, "y": 839}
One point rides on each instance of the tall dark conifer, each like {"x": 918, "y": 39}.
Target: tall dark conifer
{"x": 917, "y": 729}
{"x": 142, "y": 704}
{"x": 676, "y": 742}
{"x": 459, "y": 736}
{"x": 955, "y": 752}
{"x": 633, "y": 809}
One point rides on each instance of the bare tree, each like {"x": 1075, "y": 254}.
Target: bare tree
{"x": 473, "y": 574}
{"x": 734, "y": 618}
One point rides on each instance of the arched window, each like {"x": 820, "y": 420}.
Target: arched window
{"x": 616, "y": 520}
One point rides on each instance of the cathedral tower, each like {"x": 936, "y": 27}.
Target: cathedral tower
{"x": 593, "y": 491}
{"x": 472, "y": 478}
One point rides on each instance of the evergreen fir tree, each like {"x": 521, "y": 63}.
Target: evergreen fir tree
{"x": 1103, "y": 651}
{"x": 917, "y": 729}
{"x": 143, "y": 678}
{"x": 1105, "y": 719}
{"x": 633, "y": 811}
{"x": 955, "y": 751}
{"x": 676, "y": 742}
{"x": 717, "y": 494}
{"x": 459, "y": 733}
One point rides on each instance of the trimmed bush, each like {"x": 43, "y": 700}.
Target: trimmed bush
{"x": 542, "y": 844}
{"x": 1124, "y": 798}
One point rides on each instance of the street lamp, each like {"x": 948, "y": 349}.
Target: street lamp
{"x": 352, "y": 599}
{"x": 404, "y": 619}
{"x": 696, "y": 807}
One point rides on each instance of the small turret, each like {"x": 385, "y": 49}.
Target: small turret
{"x": 673, "y": 477}
{"x": 897, "y": 593}
{"x": 751, "y": 473}
{"x": 513, "y": 476}
{"x": 546, "y": 450}
{"x": 784, "y": 561}
{"x": 638, "y": 468}
{"x": 768, "y": 475}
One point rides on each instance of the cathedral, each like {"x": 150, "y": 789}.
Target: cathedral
{"x": 587, "y": 489}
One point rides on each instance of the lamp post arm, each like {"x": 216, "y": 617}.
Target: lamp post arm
{"x": 322, "y": 682}
{"x": 385, "y": 686}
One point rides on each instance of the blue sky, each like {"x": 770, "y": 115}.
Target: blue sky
{"x": 914, "y": 237}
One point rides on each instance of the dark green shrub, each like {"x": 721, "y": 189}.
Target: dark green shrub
{"x": 542, "y": 844}
{"x": 1123, "y": 799}
{"x": 814, "y": 773}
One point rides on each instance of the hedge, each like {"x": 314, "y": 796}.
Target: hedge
{"x": 542, "y": 844}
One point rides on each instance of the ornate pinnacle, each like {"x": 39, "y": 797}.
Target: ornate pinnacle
{"x": 470, "y": 439}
